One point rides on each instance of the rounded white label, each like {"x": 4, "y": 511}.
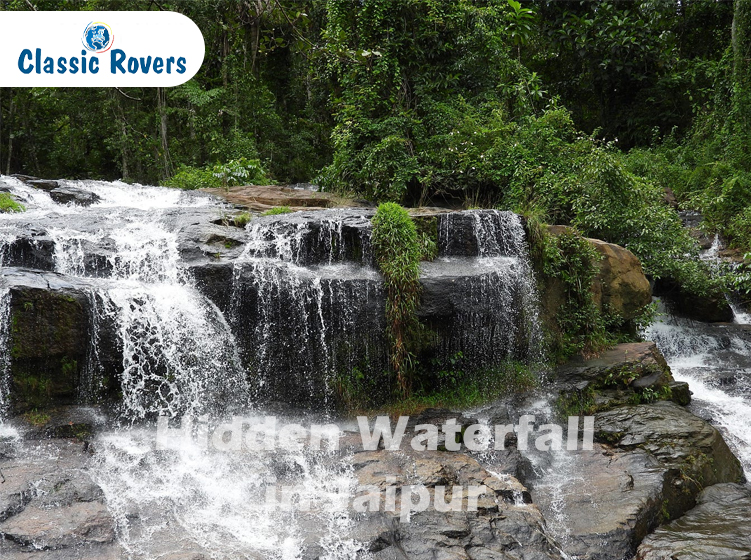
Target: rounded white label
{"x": 98, "y": 49}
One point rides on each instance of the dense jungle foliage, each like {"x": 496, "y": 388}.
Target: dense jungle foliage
{"x": 579, "y": 113}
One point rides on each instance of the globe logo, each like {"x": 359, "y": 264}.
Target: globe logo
{"x": 98, "y": 37}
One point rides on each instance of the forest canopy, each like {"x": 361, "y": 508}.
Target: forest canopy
{"x": 575, "y": 112}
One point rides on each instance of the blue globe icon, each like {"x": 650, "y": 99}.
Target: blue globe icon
{"x": 97, "y": 36}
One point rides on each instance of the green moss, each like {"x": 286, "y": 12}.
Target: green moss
{"x": 576, "y": 403}
{"x": 241, "y": 220}
{"x": 8, "y": 204}
{"x": 664, "y": 512}
{"x": 458, "y": 390}
{"x": 68, "y": 366}
{"x": 277, "y": 210}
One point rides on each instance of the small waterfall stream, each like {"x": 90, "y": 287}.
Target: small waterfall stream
{"x": 715, "y": 360}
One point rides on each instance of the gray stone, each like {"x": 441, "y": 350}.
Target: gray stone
{"x": 718, "y": 527}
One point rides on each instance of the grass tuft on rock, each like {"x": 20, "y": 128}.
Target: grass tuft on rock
{"x": 8, "y": 204}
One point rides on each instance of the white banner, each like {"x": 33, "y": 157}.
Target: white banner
{"x": 98, "y": 49}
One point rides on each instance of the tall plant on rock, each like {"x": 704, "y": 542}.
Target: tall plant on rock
{"x": 397, "y": 250}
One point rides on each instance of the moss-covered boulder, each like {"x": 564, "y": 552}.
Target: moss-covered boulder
{"x": 620, "y": 286}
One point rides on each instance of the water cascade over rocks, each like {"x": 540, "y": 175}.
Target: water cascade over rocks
{"x": 146, "y": 301}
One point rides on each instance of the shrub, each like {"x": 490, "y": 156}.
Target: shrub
{"x": 277, "y": 210}
{"x": 236, "y": 172}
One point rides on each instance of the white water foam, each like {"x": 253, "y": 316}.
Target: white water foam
{"x": 697, "y": 354}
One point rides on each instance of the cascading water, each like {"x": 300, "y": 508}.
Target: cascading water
{"x": 496, "y": 313}
{"x": 307, "y": 301}
{"x": 305, "y": 308}
{"x": 715, "y": 360}
{"x": 179, "y": 357}
{"x": 4, "y": 351}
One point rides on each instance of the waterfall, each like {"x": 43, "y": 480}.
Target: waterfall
{"x": 307, "y": 303}
{"x": 496, "y": 305}
{"x": 715, "y": 360}
{"x": 4, "y": 350}
{"x": 300, "y": 315}
{"x": 178, "y": 352}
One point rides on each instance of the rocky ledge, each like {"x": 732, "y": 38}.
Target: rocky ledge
{"x": 651, "y": 460}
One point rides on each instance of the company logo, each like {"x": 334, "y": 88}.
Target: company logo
{"x": 98, "y": 37}
{"x": 153, "y": 49}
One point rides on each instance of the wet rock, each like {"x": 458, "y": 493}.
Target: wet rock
{"x": 42, "y": 184}
{"x": 681, "y": 394}
{"x": 72, "y": 195}
{"x": 621, "y": 375}
{"x": 78, "y": 523}
{"x": 79, "y": 422}
{"x": 692, "y": 451}
{"x": 473, "y": 233}
{"x": 620, "y": 284}
{"x": 49, "y": 337}
{"x": 505, "y": 525}
{"x": 60, "y": 508}
{"x": 607, "y": 503}
{"x": 706, "y": 308}
{"x": 648, "y": 465}
{"x": 718, "y": 527}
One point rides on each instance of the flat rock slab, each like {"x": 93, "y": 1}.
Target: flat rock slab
{"x": 262, "y": 198}
{"x": 676, "y": 437}
{"x": 641, "y": 359}
{"x": 60, "y": 527}
{"x": 49, "y": 505}
{"x": 600, "y": 504}
{"x": 718, "y": 527}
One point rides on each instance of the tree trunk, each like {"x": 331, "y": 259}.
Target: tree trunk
{"x": 741, "y": 38}
{"x": 10, "y": 133}
{"x": 161, "y": 95}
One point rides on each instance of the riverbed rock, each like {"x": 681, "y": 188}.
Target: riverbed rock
{"x": 49, "y": 338}
{"x": 72, "y": 195}
{"x": 601, "y": 503}
{"x": 692, "y": 451}
{"x": 711, "y": 308}
{"x": 620, "y": 286}
{"x": 265, "y": 197}
{"x": 625, "y": 374}
{"x": 718, "y": 527}
{"x": 505, "y": 525}
{"x": 58, "y": 511}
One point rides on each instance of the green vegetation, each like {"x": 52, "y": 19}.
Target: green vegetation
{"x": 36, "y": 418}
{"x": 581, "y": 326}
{"x": 397, "y": 252}
{"x": 9, "y": 204}
{"x": 235, "y": 172}
{"x": 579, "y": 113}
{"x": 458, "y": 390}
{"x": 277, "y": 210}
{"x": 242, "y": 219}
